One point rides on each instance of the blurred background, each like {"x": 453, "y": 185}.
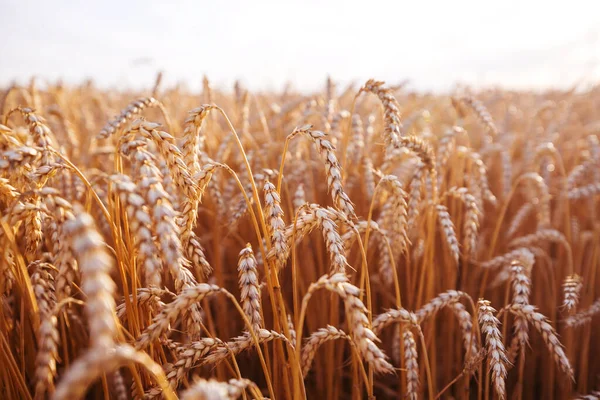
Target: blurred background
{"x": 435, "y": 44}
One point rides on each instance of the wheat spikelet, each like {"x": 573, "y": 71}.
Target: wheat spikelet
{"x": 189, "y": 355}
{"x": 395, "y": 219}
{"x": 391, "y": 316}
{"x": 189, "y": 210}
{"x": 423, "y": 150}
{"x": 540, "y": 323}
{"x": 385, "y": 264}
{"x": 332, "y": 167}
{"x": 97, "y": 361}
{"x": 181, "y": 178}
{"x": 330, "y": 98}
{"x": 33, "y": 227}
{"x": 465, "y": 321}
{"x": 163, "y": 222}
{"x": 203, "y": 389}
{"x": 248, "y": 282}
{"x": 521, "y": 289}
{"x": 579, "y": 174}
{"x": 333, "y": 241}
{"x": 519, "y": 218}
{"x": 411, "y": 358}
{"x": 305, "y": 222}
{"x": 313, "y": 217}
{"x": 495, "y": 348}
{"x": 446, "y": 145}
{"x": 316, "y": 339}
{"x": 163, "y": 216}
{"x": 274, "y": 218}
{"x": 542, "y": 201}
{"x": 17, "y": 157}
{"x": 299, "y": 197}
{"x": 507, "y": 171}
{"x": 362, "y": 336}
{"x": 240, "y": 344}
{"x": 68, "y": 269}
{"x": 95, "y": 264}
{"x": 480, "y": 178}
{"x": 42, "y": 282}
{"x": 507, "y": 258}
{"x": 7, "y": 138}
{"x": 7, "y": 192}
{"x": 583, "y": 192}
{"x": 193, "y": 141}
{"x": 415, "y": 195}
{"x": 571, "y": 291}
{"x": 542, "y": 235}
{"x": 482, "y": 113}
{"x": 207, "y": 91}
{"x": 171, "y": 311}
{"x": 437, "y": 303}
{"x": 292, "y": 330}
{"x": 350, "y": 236}
{"x": 526, "y": 257}
{"x": 173, "y": 157}
{"x": 471, "y": 219}
{"x": 145, "y": 297}
{"x": 447, "y": 228}
{"x": 583, "y": 317}
{"x": 369, "y": 180}
{"x": 355, "y": 149}
{"x": 140, "y": 224}
{"x": 120, "y": 389}
{"x": 127, "y": 114}
{"x": 392, "y": 131}
{"x": 41, "y": 134}
{"x": 241, "y": 202}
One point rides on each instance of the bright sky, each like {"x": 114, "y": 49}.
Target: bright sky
{"x": 527, "y": 43}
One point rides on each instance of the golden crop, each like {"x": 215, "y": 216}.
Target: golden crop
{"x": 362, "y": 243}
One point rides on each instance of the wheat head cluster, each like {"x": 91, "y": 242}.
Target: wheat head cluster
{"x": 359, "y": 242}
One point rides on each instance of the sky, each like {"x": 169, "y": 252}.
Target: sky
{"x": 434, "y": 44}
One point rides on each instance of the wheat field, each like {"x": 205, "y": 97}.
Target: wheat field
{"x": 360, "y": 242}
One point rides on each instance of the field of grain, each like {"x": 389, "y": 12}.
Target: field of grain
{"x": 359, "y": 242}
